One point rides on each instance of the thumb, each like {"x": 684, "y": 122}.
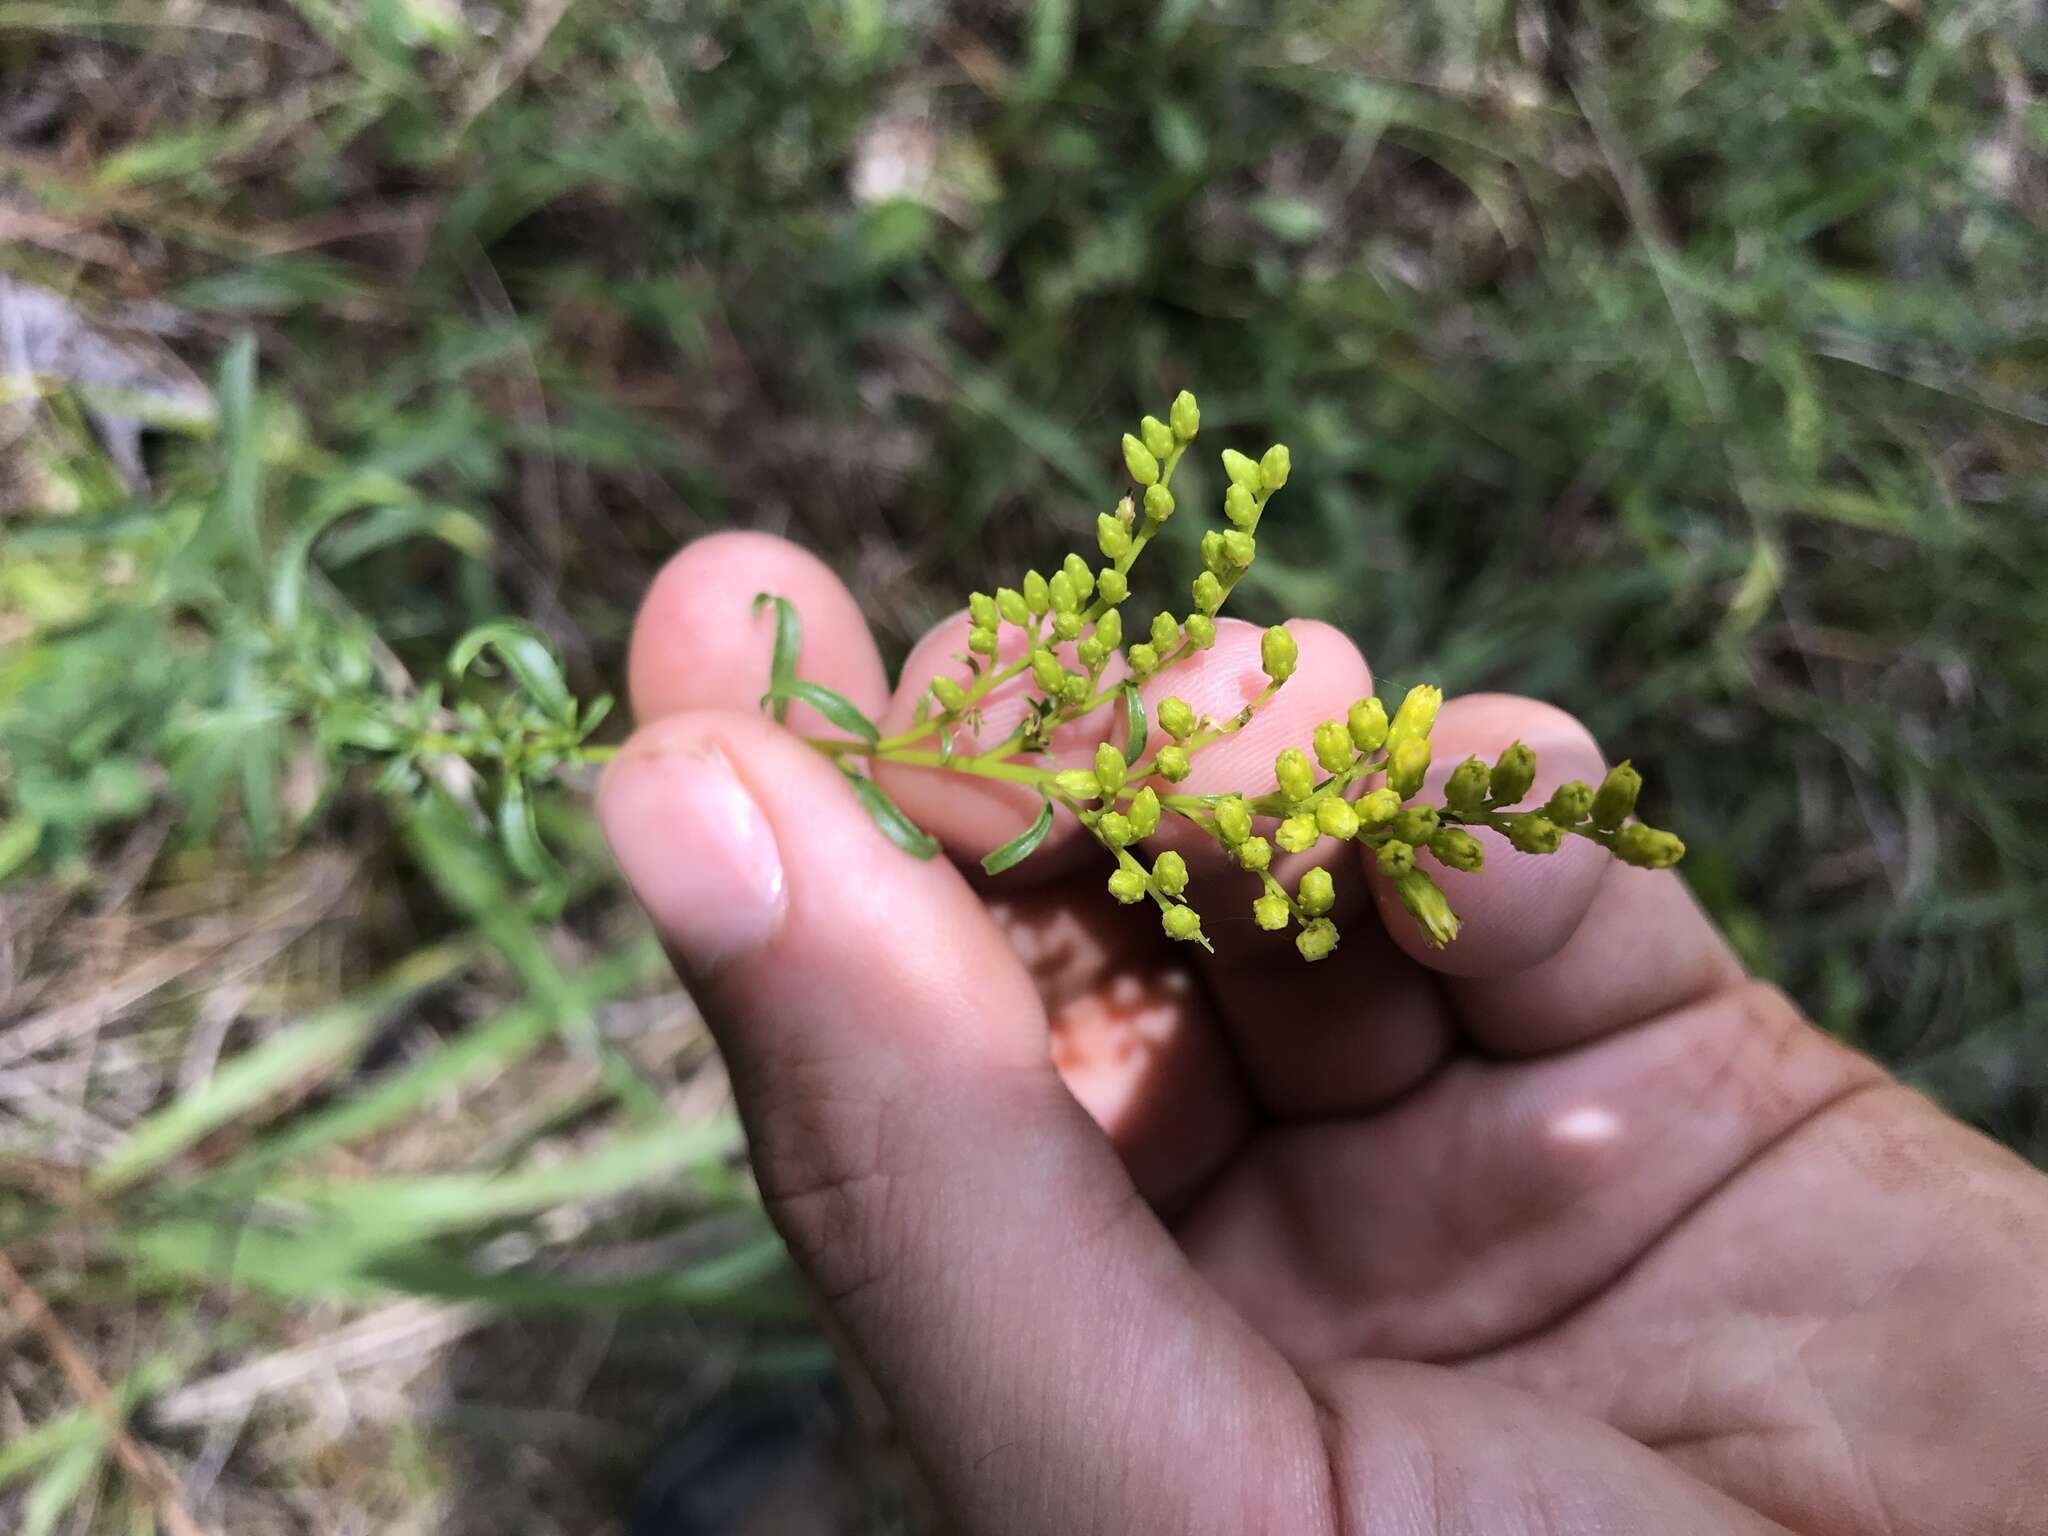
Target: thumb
{"x": 1041, "y": 1340}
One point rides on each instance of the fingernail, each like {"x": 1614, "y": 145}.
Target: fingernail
{"x": 696, "y": 850}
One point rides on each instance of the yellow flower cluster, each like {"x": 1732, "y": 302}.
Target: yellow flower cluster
{"x": 1357, "y": 780}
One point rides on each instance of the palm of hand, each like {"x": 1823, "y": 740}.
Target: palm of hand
{"x": 1594, "y": 1236}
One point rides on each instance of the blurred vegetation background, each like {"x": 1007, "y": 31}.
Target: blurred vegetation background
{"x": 1685, "y": 363}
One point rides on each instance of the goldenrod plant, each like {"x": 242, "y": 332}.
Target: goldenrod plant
{"x": 1360, "y": 779}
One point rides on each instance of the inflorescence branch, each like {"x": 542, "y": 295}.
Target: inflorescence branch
{"x": 1358, "y": 781}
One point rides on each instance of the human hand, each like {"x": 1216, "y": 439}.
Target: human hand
{"x": 1570, "y": 1227}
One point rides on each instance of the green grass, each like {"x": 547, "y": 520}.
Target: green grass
{"x": 1686, "y": 364}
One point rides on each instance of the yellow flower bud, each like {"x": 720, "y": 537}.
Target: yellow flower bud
{"x": 1425, "y": 902}
{"x": 1114, "y": 828}
{"x": 1079, "y": 783}
{"x": 1337, "y": 817}
{"x": 1170, "y": 873}
{"x": 1408, "y": 764}
{"x": 1010, "y": 603}
{"x": 1065, "y": 626}
{"x": 1111, "y": 585}
{"x": 1074, "y": 689}
{"x": 1317, "y": 892}
{"x": 1127, "y": 885}
{"x": 1047, "y": 672}
{"x": 1172, "y": 764}
{"x": 1037, "y": 593}
{"x": 1648, "y": 847}
{"x": 1176, "y": 717}
{"x": 1139, "y": 461}
{"x": 1144, "y": 660}
{"x": 1091, "y": 653}
{"x": 1513, "y": 773}
{"x": 982, "y": 641}
{"x": 1407, "y": 767}
{"x": 1367, "y": 723}
{"x": 1616, "y": 796}
{"x": 1317, "y": 940}
{"x": 1378, "y": 808}
{"x": 1297, "y": 834}
{"x": 1109, "y": 629}
{"x": 1112, "y": 537}
{"x": 1158, "y": 436}
{"x": 1240, "y": 507}
{"x": 1293, "y": 772}
{"x": 1061, "y": 594}
{"x": 1416, "y": 714}
{"x": 1212, "y": 551}
{"x": 1201, "y": 631}
{"x": 1395, "y": 858}
{"x": 1466, "y": 789}
{"x": 1181, "y": 923}
{"x": 1239, "y": 549}
{"x": 1254, "y": 854}
{"x": 1278, "y": 653}
{"x": 1271, "y": 912}
{"x": 1185, "y": 416}
{"x": 981, "y": 610}
{"x": 1274, "y": 467}
{"x": 1158, "y": 503}
{"x": 1333, "y": 747}
{"x": 1109, "y": 767}
{"x": 1144, "y": 812}
{"x": 1417, "y": 824}
{"x": 1531, "y": 833}
{"x": 1080, "y": 575}
{"x": 1570, "y": 803}
{"x": 1455, "y": 848}
{"x": 951, "y": 696}
{"x": 1208, "y": 592}
{"x": 1233, "y": 819}
{"x": 1165, "y": 633}
{"x": 1242, "y": 471}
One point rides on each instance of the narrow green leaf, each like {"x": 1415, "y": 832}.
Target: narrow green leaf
{"x": 261, "y": 760}
{"x": 1134, "y": 709}
{"x": 526, "y": 654}
{"x": 789, "y": 640}
{"x": 234, "y": 527}
{"x": 835, "y": 707}
{"x": 387, "y": 520}
{"x": 1023, "y": 845}
{"x": 60, "y": 1486}
{"x": 897, "y": 827}
{"x": 19, "y": 837}
{"x": 751, "y": 1279}
{"x": 519, "y": 833}
{"x": 403, "y": 1207}
{"x": 1049, "y": 50}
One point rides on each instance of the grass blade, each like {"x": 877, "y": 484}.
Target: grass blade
{"x": 487, "y": 1047}
{"x": 320, "y": 1043}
